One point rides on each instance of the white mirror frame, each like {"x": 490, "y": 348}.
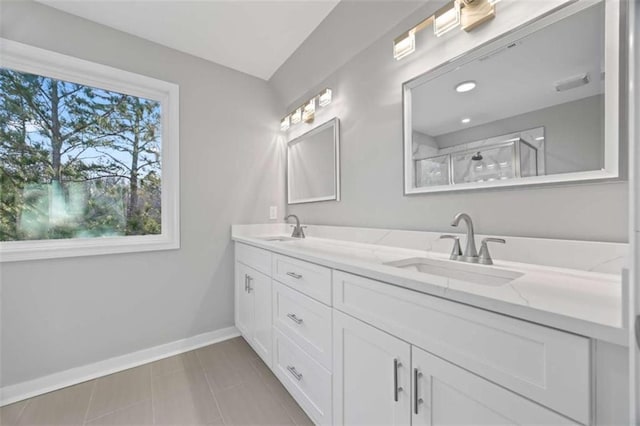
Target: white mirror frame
{"x": 616, "y": 147}
{"x": 335, "y": 123}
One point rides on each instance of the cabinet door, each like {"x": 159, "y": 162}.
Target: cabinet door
{"x": 371, "y": 384}
{"x": 444, "y": 394}
{"x": 259, "y": 286}
{"x": 244, "y": 302}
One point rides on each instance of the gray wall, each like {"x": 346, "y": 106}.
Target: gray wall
{"x": 573, "y": 132}
{"x": 59, "y": 314}
{"x": 347, "y": 30}
{"x": 367, "y": 92}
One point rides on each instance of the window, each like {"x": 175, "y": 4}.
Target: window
{"x": 88, "y": 157}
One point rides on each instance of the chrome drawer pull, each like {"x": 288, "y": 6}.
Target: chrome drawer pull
{"x": 246, "y": 281}
{"x": 416, "y": 399}
{"x": 396, "y": 388}
{"x": 294, "y": 275}
{"x": 249, "y": 279}
{"x": 294, "y": 318}
{"x": 294, "y": 372}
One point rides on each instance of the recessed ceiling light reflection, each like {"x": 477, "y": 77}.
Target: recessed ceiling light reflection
{"x": 465, "y": 86}
{"x": 465, "y": 121}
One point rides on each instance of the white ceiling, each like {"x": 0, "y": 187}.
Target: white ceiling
{"x": 516, "y": 80}
{"x": 254, "y": 37}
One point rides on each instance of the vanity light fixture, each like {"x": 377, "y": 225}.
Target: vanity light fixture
{"x": 404, "y": 45}
{"x": 285, "y": 123}
{"x": 466, "y": 86}
{"x": 307, "y": 111}
{"x": 466, "y": 14}
{"x": 446, "y": 18}
{"x": 296, "y": 116}
{"x": 325, "y": 97}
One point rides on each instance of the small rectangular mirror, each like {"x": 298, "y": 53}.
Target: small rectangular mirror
{"x": 539, "y": 105}
{"x": 313, "y": 165}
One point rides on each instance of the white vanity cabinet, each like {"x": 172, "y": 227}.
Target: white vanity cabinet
{"x": 371, "y": 383}
{"x": 548, "y": 366}
{"x": 380, "y": 379}
{"x": 253, "y": 299}
{"x": 354, "y": 350}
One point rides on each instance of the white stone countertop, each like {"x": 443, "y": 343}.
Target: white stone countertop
{"x": 582, "y": 302}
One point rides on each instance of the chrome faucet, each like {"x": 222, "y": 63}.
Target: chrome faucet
{"x": 470, "y": 252}
{"x": 298, "y": 231}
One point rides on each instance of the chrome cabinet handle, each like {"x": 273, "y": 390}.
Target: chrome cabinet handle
{"x": 294, "y": 275}
{"x": 249, "y": 279}
{"x": 294, "y": 372}
{"x": 294, "y": 318}
{"x": 246, "y": 281}
{"x": 416, "y": 399}
{"x": 396, "y": 389}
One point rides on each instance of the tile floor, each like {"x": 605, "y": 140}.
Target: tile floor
{"x": 225, "y": 383}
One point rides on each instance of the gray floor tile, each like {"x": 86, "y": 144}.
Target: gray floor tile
{"x": 139, "y": 414}
{"x": 184, "y": 398}
{"x": 252, "y": 405}
{"x": 185, "y": 361}
{"x": 9, "y": 414}
{"x": 120, "y": 390}
{"x": 225, "y": 383}
{"x": 225, "y": 370}
{"x": 238, "y": 348}
{"x": 276, "y": 388}
{"x": 187, "y": 409}
{"x": 66, "y": 406}
{"x": 169, "y": 385}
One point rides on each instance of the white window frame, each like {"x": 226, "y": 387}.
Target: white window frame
{"x": 29, "y": 59}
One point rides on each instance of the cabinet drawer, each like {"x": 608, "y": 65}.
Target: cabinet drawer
{"x": 303, "y": 320}
{"x": 307, "y": 381}
{"x": 308, "y": 278}
{"x": 258, "y": 259}
{"x": 549, "y": 366}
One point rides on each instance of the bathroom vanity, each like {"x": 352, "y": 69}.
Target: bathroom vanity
{"x": 358, "y": 339}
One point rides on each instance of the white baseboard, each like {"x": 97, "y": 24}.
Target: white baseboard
{"x": 31, "y": 388}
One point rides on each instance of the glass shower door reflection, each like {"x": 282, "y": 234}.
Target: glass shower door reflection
{"x": 496, "y": 163}
{"x": 432, "y": 171}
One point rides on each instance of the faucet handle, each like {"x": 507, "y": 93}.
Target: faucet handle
{"x": 456, "y": 252}
{"x": 484, "y": 257}
{"x": 298, "y": 231}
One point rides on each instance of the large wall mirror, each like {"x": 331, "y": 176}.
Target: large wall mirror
{"x": 313, "y": 165}
{"x": 539, "y": 105}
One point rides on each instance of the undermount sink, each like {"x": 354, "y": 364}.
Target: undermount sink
{"x": 469, "y": 272}
{"x": 277, "y": 238}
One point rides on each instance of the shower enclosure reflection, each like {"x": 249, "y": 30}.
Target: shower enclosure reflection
{"x": 511, "y": 156}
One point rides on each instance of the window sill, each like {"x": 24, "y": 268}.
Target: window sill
{"x": 14, "y": 251}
